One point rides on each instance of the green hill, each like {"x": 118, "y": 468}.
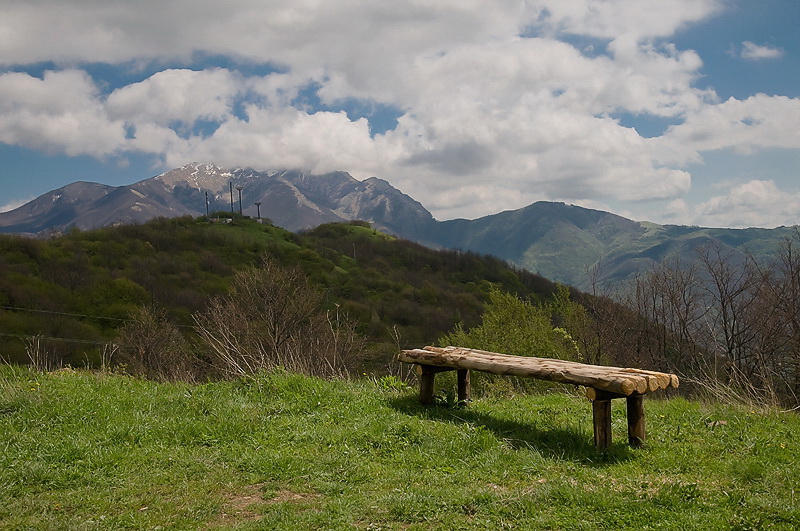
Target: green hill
{"x": 75, "y": 290}
{"x": 563, "y": 242}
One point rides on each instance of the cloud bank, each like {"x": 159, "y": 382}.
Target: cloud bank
{"x": 490, "y": 108}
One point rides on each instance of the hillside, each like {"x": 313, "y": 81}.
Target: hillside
{"x": 558, "y": 241}
{"x": 99, "y": 451}
{"x": 77, "y": 289}
{"x": 564, "y": 242}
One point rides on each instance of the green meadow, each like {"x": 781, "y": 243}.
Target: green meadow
{"x": 94, "y": 450}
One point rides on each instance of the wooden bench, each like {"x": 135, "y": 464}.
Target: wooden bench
{"x": 603, "y": 384}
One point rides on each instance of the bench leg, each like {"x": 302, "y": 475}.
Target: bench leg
{"x": 601, "y": 416}
{"x": 636, "y": 429}
{"x": 426, "y": 377}
{"x": 463, "y": 386}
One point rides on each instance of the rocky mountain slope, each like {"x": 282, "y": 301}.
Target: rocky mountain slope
{"x": 291, "y": 199}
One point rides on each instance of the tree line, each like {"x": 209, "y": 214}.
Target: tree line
{"x": 721, "y": 318}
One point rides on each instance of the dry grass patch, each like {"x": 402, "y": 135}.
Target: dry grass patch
{"x": 288, "y": 496}
{"x": 248, "y": 503}
{"x": 240, "y": 507}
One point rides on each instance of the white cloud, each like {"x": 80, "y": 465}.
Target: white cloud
{"x": 285, "y": 138}
{"x": 676, "y": 211}
{"x": 759, "y": 121}
{"x": 757, "y": 203}
{"x": 15, "y": 204}
{"x": 176, "y": 95}
{"x": 60, "y": 112}
{"x": 755, "y": 52}
{"x": 612, "y": 18}
{"x": 301, "y": 33}
{"x": 490, "y": 119}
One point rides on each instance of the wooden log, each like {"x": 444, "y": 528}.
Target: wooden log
{"x": 463, "y": 386}
{"x": 426, "y": 381}
{"x": 601, "y": 419}
{"x": 636, "y": 427}
{"x": 597, "y": 394}
{"x": 664, "y": 379}
{"x": 554, "y": 370}
{"x": 611, "y": 379}
{"x": 433, "y": 368}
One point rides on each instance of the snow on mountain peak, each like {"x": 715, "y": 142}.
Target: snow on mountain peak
{"x": 196, "y": 175}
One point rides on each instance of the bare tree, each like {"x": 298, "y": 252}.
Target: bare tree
{"x": 669, "y": 300}
{"x": 152, "y": 347}
{"x": 785, "y": 295}
{"x": 723, "y": 320}
{"x": 735, "y": 286}
{"x": 603, "y": 339}
{"x": 271, "y": 317}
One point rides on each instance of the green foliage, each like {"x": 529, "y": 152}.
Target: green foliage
{"x": 89, "y": 281}
{"x": 511, "y": 325}
{"x": 97, "y": 451}
{"x": 391, "y": 382}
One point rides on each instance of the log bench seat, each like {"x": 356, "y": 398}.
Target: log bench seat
{"x": 602, "y": 383}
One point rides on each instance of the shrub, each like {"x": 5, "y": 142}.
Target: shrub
{"x": 272, "y": 317}
{"x": 511, "y": 325}
{"x": 514, "y": 326}
{"x": 152, "y": 347}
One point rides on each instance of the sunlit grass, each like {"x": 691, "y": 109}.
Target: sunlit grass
{"x": 82, "y": 450}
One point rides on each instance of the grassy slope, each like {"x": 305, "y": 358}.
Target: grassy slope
{"x": 86, "y": 450}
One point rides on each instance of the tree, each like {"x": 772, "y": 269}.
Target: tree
{"x": 785, "y": 293}
{"x": 670, "y": 302}
{"x": 152, "y": 347}
{"x": 511, "y": 325}
{"x": 271, "y": 317}
{"x": 734, "y": 288}
{"x": 726, "y": 321}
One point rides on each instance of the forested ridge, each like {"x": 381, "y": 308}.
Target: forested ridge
{"x": 76, "y": 290}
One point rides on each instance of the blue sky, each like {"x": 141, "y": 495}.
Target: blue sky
{"x": 673, "y": 111}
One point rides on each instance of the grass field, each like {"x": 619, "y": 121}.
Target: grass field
{"x": 81, "y": 450}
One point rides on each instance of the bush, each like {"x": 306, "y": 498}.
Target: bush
{"x": 511, "y": 325}
{"x": 153, "y": 347}
{"x": 272, "y": 317}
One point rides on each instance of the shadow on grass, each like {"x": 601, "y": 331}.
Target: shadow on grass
{"x": 556, "y": 443}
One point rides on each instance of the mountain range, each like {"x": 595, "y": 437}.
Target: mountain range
{"x": 558, "y": 241}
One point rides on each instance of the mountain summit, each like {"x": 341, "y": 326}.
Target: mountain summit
{"x": 291, "y": 199}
